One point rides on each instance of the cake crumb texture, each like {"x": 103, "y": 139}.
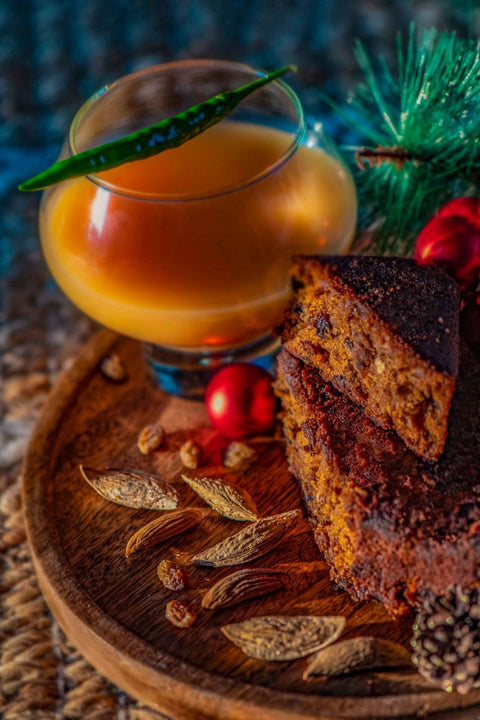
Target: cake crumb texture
{"x": 385, "y": 332}
{"x": 391, "y": 526}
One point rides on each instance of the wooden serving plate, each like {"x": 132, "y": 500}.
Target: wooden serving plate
{"x": 113, "y": 608}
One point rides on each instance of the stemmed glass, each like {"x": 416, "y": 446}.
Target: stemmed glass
{"x": 189, "y": 251}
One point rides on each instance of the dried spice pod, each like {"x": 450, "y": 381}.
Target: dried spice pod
{"x": 283, "y": 637}
{"x": 163, "y": 527}
{"x": 131, "y": 488}
{"x": 359, "y": 653}
{"x": 244, "y": 585}
{"x": 446, "y": 639}
{"x": 225, "y": 499}
{"x": 250, "y": 543}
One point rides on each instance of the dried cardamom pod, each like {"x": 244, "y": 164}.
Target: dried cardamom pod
{"x": 243, "y": 585}
{"x": 132, "y": 488}
{"x": 283, "y": 637}
{"x": 359, "y": 653}
{"x": 163, "y": 527}
{"x": 250, "y": 543}
{"x": 225, "y": 499}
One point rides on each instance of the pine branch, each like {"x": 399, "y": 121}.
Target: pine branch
{"x": 420, "y": 134}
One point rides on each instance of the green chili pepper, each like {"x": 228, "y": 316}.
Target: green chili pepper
{"x": 164, "y": 135}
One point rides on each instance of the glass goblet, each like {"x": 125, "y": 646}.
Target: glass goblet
{"x": 189, "y": 251}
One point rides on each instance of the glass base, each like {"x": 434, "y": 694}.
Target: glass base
{"x": 187, "y": 374}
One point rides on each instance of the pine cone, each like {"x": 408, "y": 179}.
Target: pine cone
{"x": 446, "y": 640}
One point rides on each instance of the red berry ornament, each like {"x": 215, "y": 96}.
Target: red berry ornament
{"x": 240, "y": 401}
{"x": 451, "y": 240}
{"x": 466, "y": 208}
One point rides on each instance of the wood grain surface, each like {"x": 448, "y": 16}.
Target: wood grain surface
{"x": 113, "y": 608}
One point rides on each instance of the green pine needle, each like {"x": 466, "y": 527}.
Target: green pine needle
{"x": 421, "y": 130}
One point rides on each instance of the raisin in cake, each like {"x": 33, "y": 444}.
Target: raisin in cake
{"x": 383, "y": 331}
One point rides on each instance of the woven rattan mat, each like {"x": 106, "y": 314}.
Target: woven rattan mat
{"x": 41, "y": 675}
{"x": 53, "y": 54}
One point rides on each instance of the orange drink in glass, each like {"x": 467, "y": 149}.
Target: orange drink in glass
{"x": 189, "y": 250}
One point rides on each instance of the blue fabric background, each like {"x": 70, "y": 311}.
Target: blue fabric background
{"x": 55, "y": 53}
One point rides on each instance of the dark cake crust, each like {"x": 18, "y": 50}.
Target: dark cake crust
{"x": 392, "y": 527}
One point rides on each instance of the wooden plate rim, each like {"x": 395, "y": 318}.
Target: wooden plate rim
{"x": 63, "y": 591}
